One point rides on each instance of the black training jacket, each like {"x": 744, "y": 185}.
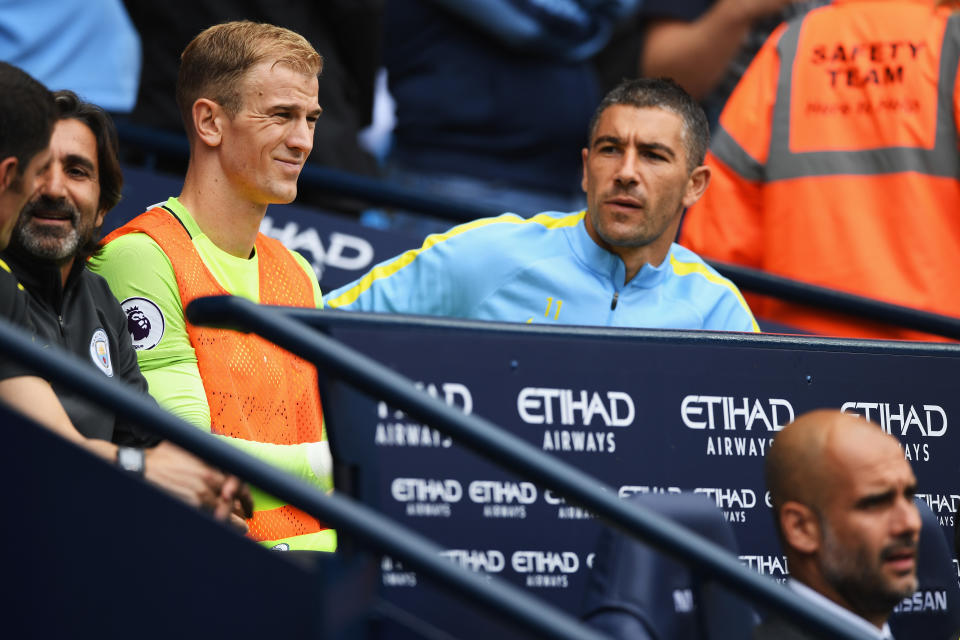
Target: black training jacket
{"x": 85, "y": 318}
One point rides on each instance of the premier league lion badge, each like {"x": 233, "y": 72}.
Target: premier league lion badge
{"x": 144, "y": 322}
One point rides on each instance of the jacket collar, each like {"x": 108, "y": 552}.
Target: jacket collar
{"x": 40, "y": 277}
{"x": 609, "y": 265}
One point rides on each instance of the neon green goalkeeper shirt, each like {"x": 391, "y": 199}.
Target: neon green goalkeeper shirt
{"x": 142, "y": 278}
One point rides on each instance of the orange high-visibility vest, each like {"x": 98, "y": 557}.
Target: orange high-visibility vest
{"x": 836, "y": 163}
{"x": 255, "y": 390}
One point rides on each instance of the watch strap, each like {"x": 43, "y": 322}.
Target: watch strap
{"x": 131, "y": 459}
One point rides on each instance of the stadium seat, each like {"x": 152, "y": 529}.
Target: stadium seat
{"x": 639, "y": 593}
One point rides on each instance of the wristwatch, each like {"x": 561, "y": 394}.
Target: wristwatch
{"x": 131, "y": 459}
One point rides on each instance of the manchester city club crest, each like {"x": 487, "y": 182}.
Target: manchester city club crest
{"x": 100, "y": 351}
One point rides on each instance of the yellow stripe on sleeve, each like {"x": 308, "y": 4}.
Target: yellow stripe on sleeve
{"x": 6, "y": 268}
{"x": 687, "y": 268}
{"x": 385, "y": 271}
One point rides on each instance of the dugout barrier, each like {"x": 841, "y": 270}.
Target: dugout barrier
{"x": 356, "y": 522}
{"x": 413, "y": 457}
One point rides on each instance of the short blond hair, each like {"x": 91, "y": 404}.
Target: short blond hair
{"x": 214, "y": 63}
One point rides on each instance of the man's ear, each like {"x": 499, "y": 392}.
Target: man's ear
{"x": 208, "y": 121}
{"x": 800, "y": 526}
{"x": 697, "y": 183}
{"x": 584, "y": 154}
{"x": 9, "y": 168}
{"x": 101, "y": 214}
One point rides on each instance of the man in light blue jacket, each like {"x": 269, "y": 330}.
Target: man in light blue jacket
{"x": 614, "y": 264}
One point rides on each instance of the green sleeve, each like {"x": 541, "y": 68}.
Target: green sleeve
{"x": 178, "y": 388}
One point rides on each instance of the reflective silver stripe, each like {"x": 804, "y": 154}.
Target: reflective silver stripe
{"x": 780, "y": 125}
{"x": 941, "y": 161}
{"x": 735, "y": 156}
{"x": 946, "y": 136}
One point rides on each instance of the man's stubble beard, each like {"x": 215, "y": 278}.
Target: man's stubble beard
{"x": 859, "y": 579}
{"x": 53, "y": 245}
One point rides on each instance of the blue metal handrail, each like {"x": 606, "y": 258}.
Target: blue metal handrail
{"x": 516, "y": 455}
{"x": 822, "y": 297}
{"x": 322, "y": 319}
{"x": 358, "y": 520}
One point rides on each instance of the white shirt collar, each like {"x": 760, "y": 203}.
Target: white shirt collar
{"x": 846, "y": 614}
